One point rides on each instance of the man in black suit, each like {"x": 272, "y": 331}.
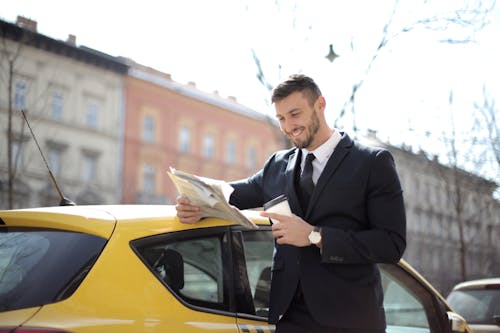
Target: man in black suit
{"x": 348, "y": 215}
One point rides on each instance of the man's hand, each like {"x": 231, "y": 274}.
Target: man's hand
{"x": 291, "y": 230}
{"x": 186, "y": 212}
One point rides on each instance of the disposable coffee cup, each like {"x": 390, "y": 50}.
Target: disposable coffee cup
{"x": 278, "y": 205}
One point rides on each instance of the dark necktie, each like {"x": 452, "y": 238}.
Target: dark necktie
{"x": 306, "y": 181}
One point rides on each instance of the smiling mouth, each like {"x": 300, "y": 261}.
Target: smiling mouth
{"x": 296, "y": 132}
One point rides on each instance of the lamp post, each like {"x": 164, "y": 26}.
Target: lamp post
{"x": 331, "y": 54}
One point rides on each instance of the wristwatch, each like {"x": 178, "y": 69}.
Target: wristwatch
{"x": 315, "y": 236}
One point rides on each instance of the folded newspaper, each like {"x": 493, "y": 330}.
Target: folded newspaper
{"x": 211, "y": 195}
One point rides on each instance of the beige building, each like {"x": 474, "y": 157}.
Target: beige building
{"x": 73, "y": 97}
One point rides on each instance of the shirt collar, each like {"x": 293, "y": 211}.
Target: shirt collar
{"x": 323, "y": 152}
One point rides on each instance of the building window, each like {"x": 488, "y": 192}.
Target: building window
{"x": 20, "y": 91}
{"x": 148, "y": 179}
{"x": 55, "y": 161}
{"x": 231, "y": 152}
{"x": 208, "y": 146}
{"x": 251, "y": 158}
{"x": 89, "y": 168}
{"x": 184, "y": 139}
{"x": 92, "y": 114}
{"x": 57, "y": 105}
{"x": 148, "y": 129}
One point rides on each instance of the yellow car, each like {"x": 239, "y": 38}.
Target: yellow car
{"x": 134, "y": 268}
{"x": 479, "y": 302}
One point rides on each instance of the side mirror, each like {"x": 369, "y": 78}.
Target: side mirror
{"x": 457, "y": 322}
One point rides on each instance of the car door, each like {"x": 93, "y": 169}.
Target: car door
{"x": 410, "y": 306}
{"x": 195, "y": 266}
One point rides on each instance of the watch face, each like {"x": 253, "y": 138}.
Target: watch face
{"x": 314, "y": 237}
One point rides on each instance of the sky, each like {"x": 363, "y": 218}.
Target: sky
{"x": 405, "y": 95}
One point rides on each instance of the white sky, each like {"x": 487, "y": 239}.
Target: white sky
{"x": 210, "y": 43}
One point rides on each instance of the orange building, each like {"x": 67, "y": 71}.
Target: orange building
{"x": 168, "y": 124}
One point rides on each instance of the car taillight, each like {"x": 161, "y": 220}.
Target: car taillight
{"x": 29, "y": 330}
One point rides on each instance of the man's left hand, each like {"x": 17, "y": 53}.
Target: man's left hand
{"x": 291, "y": 230}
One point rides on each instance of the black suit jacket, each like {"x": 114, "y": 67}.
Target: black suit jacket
{"x": 358, "y": 203}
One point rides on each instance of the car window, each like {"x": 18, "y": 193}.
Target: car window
{"x": 192, "y": 268}
{"x": 203, "y": 271}
{"x": 476, "y": 306}
{"x": 409, "y": 307}
{"x": 41, "y": 266}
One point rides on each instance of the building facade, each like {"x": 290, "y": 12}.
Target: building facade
{"x": 174, "y": 125}
{"x": 453, "y": 219}
{"x": 73, "y": 100}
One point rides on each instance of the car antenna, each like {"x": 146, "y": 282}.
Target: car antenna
{"x": 64, "y": 201}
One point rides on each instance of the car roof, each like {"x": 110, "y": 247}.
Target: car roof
{"x": 101, "y": 220}
{"x": 490, "y": 283}
{"x": 74, "y": 218}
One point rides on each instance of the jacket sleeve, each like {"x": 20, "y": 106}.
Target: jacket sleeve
{"x": 263, "y": 186}
{"x": 247, "y": 192}
{"x": 384, "y": 238}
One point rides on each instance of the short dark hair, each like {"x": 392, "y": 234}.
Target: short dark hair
{"x": 294, "y": 83}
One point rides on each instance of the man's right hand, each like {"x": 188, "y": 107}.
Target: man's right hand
{"x": 186, "y": 212}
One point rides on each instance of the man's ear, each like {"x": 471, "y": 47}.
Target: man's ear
{"x": 321, "y": 103}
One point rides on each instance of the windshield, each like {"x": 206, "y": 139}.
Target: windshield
{"x": 476, "y": 306}
{"x": 40, "y": 266}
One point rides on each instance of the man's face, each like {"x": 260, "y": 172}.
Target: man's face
{"x": 298, "y": 120}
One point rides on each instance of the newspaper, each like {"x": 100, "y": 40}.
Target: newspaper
{"x": 211, "y": 195}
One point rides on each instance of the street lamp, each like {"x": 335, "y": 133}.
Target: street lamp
{"x": 331, "y": 54}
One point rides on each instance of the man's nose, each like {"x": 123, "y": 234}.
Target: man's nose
{"x": 286, "y": 126}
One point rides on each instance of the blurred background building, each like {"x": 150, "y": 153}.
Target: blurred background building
{"x": 73, "y": 98}
{"x": 169, "y": 124}
{"x": 111, "y": 128}
{"x": 453, "y": 219}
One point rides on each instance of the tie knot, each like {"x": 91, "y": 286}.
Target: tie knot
{"x": 310, "y": 157}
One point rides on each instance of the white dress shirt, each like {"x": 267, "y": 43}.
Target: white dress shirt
{"x": 322, "y": 154}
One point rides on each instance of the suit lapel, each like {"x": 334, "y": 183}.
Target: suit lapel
{"x": 338, "y": 155}
{"x": 290, "y": 174}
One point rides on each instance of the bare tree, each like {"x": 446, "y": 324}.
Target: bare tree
{"x": 470, "y": 18}
{"x": 486, "y": 121}
{"x": 469, "y": 195}
{"x": 13, "y": 43}
{"x": 8, "y": 59}
{"x": 463, "y": 18}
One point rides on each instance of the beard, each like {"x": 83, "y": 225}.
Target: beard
{"x": 311, "y": 129}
